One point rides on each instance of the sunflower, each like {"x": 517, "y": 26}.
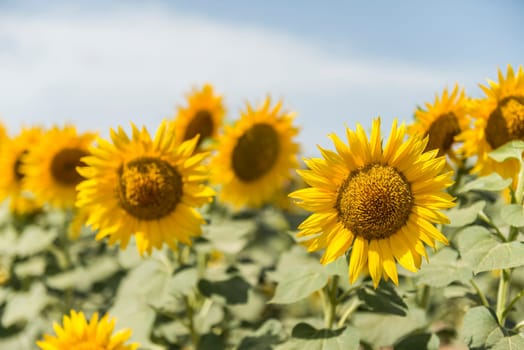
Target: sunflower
{"x": 442, "y": 121}
{"x": 255, "y": 156}
{"x": 202, "y": 116}
{"x": 12, "y": 154}
{"x": 3, "y": 133}
{"x": 499, "y": 119}
{"x": 76, "y": 333}
{"x": 50, "y": 169}
{"x": 380, "y": 201}
{"x": 144, "y": 187}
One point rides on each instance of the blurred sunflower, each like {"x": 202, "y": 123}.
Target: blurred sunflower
{"x": 202, "y": 116}
{"x": 4, "y": 274}
{"x": 76, "y": 333}
{"x": 380, "y": 201}
{"x": 3, "y": 133}
{"x": 255, "y": 156}
{"x": 499, "y": 119}
{"x": 145, "y": 187}
{"x": 442, "y": 121}
{"x": 12, "y": 154}
{"x": 50, "y": 169}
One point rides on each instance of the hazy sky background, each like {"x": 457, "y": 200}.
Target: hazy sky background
{"x": 100, "y": 64}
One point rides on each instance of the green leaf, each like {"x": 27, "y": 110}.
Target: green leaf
{"x": 229, "y": 236}
{"x": 183, "y": 281}
{"x": 289, "y": 260}
{"x": 25, "y": 306}
{"x": 8, "y": 240}
{"x": 34, "y": 239}
{"x": 252, "y": 309}
{"x": 233, "y": 290}
{"x": 32, "y": 267}
{"x": 338, "y": 267}
{"x": 513, "y": 214}
{"x": 482, "y": 252}
{"x": 419, "y": 341}
{"x": 481, "y": 328}
{"x": 384, "y": 299}
{"x": 512, "y": 149}
{"x": 502, "y": 256}
{"x": 299, "y": 284}
{"x": 493, "y": 182}
{"x": 443, "y": 269}
{"x": 268, "y": 335}
{"x": 381, "y": 330}
{"x": 306, "y": 337}
{"x": 464, "y": 216}
{"x": 467, "y": 237}
{"x": 143, "y": 286}
{"x": 210, "y": 341}
{"x": 473, "y": 244}
{"x": 82, "y": 278}
{"x": 515, "y": 342}
{"x": 207, "y": 317}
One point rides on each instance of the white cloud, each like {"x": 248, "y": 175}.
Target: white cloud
{"x": 100, "y": 70}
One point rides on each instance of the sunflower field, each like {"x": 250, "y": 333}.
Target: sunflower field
{"x": 211, "y": 233}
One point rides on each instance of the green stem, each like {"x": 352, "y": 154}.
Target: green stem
{"x": 349, "y": 311}
{"x": 518, "y": 326}
{"x": 513, "y": 233}
{"x": 480, "y": 294}
{"x": 424, "y": 299}
{"x": 331, "y": 302}
{"x": 519, "y": 192}
{"x": 461, "y": 171}
{"x": 502, "y": 294}
{"x": 347, "y": 293}
{"x": 488, "y": 221}
{"x": 195, "y": 338}
{"x": 512, "y": 302}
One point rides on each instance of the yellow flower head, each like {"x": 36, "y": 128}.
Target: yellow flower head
{"x": 255, "y": 156}
{"x": 3, "y": 132}
{"x": 442, "y": 120}
{"x": 4, "y": 274}
{"x": 76, "y": 333}
{"x": 202, "y": 116}
{"x": 379, "y": 200}
{"x": 12, "y": 154}
{"x": 144, "y": 187}
{"x": 499, "y": 118}
{"x": 50, "y": 169}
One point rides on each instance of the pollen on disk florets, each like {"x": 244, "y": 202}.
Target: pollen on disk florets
{"x": 374, "y": 201}
{"x": 506, "y": 122}
{"x": 146, "y": 187}
{"x": 149, "y": 188}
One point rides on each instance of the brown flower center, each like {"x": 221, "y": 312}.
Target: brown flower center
{"x": 64, "y": 164}
{"x": 149, "y": 188}
{"x": 375, "y": 201}
{"x": 506, "y": 122}
{"x": 201, "y": 124}
{"x": 256, "y": 152}
{"x": 17, "y": 166}
{"x": 442, "y": 132}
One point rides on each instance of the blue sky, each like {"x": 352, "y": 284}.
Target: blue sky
{"x": 335, "y": 63}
